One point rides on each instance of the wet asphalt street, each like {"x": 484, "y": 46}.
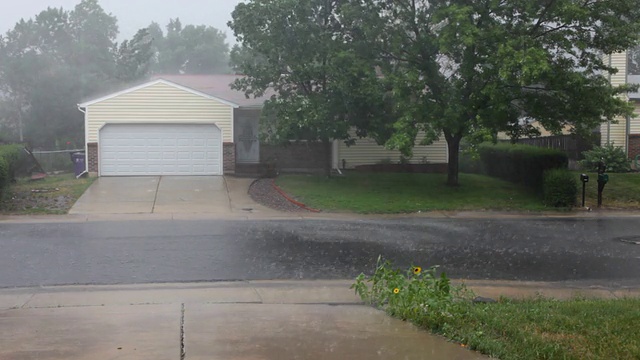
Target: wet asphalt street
{"x": 176, "y": 251}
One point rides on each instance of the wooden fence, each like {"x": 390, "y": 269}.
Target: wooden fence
{"x": 571, "y": 144}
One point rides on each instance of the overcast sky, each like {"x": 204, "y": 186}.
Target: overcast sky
{"x": 133, "y": 14}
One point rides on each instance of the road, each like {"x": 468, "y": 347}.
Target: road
{"x": 127, "y": 252}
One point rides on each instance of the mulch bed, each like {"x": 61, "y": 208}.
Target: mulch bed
{"x": 262, "y": 192}
{"x": 27, "y": 200}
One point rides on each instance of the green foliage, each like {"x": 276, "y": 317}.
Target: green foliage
{"x": 522, "y": 164}
{"x": 530, "y": 329}
{"x": 321, "y": 82}
{"x": 189, "y": 50}
{"x": 613, "y": 156}
{"x": 560, "y": 188}
{"x": 134, "y": 57}
{"x": 10, "y": 155}
{"x": 53, "y": 61}
{"x": 415, "y": 293}
{"x": 456, "y": 66}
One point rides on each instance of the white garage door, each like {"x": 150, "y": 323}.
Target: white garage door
{"x": 160, "y": 149}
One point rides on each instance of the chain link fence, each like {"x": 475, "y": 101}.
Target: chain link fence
{"x": 58, "y": 161}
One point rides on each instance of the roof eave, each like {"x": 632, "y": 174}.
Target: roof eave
{"x": 154, "y": 82}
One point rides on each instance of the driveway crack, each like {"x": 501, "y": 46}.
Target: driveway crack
{"x": 155, "y": 198}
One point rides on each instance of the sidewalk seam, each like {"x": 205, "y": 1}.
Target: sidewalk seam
{"x": 155, "y": 198}
{"x": 28, "y": 300}
{"x": 258, "y": 294}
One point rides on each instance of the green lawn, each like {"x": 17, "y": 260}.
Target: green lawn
{"x": 407, "y": 193}
{"x": 549, "y": 329}
{"x": 54, "y": 194}
{"x": 622, "y": 191}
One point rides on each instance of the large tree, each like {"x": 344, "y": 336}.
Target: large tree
{"x": 320, "y": 83}
{"x": 190, "y": 49}
{"x": 450, "y": 67}
{"x": 460, "y": 65}
{"x": 134, "y": 57}
{"x": 51, "y": 62}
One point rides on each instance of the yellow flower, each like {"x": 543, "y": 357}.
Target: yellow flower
{"x": 417, "y": 270}
{"x": 396, "y": 290}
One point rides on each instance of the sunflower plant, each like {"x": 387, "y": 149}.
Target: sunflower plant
{"x": 409, "y": 294}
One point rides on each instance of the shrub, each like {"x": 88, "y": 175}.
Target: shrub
{"x": 560, "y": 188}
{"x": 613, "y": 156}
{"x": 10, "y": 156}
{"x": 522, "y": 164}
{"x": 412, "y": 294}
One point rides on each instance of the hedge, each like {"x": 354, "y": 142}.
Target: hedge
{"x": 560, "y": 188}
{"x": 522, "y": 164}
{"x": 10, "y": 156}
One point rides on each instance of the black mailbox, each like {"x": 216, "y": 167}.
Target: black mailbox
{"x": 584, "y": 178}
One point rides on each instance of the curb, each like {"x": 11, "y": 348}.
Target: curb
{"x": 291, "y": 200}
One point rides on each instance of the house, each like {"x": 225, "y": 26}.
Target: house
{"x": 625, "y": 133}
{"x": 198, "y": 125}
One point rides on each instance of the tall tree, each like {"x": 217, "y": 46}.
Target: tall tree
{"x": 459, "y": 65}
{"x": 134, "y": 57}
{"x": 94, "y": 33}
{"x": 51, "y": 62}
{"x": 321, "y": 89}
{"x": 190, "y": 49}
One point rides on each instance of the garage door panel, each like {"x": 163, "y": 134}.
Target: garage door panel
{"x": 160, "y": 149}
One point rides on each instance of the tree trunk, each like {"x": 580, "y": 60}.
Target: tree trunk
{"x": 327, "y": 145}
{"x": 453, "y": 144}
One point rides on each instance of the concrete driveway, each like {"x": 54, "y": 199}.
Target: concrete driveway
{"x": 155, "y": 194}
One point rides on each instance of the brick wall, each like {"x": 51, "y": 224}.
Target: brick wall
{"x": 300, "y": 156}
{"x": 229, "y": 158}
{"x": 92, "y": 157}
{"x": 634, "y": 145}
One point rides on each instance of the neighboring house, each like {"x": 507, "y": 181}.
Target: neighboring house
{"x": 625, "y": 133}
{"x": 198, "y": 125}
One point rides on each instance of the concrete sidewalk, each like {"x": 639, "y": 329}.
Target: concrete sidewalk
{"x": 231, "y": 320}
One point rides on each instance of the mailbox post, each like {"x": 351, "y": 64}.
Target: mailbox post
{"x": 584, "y": 178}
{"x": 603, "y": 178}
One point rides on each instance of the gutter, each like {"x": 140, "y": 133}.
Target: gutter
{"x": 86, "y": 149}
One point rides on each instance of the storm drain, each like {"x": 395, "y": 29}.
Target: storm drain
{"x": 633, "y": 240}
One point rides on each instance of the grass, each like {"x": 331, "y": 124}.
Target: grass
{"x": 547, "y": 329}
{"x": 621, "y": 192}
{"x": 407, "y": 193}
{"x": 54, "y": 194}
{"x": 534, "y": 328}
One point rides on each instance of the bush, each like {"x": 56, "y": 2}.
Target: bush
{"x": 560, "y": 188}
{"x": 10, "y": 156}
{"x": 613, "y": 156}
{"x": 522, "y": 164}
{"x": 411, "y": 294}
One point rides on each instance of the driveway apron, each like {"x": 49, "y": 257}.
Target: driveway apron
{"x": 154, "y": 194}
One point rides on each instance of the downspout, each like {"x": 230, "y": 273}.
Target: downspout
{"x": 627, "y": 133}
{"x": 627, "y": 129}
{"x": 86, "y": 148}
{"x": 608, "y": 120}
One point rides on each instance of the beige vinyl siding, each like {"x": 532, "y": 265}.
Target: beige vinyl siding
{"x": 619, "y": 61}
{"x": 634, "y": 124}
{"x": 366, "y": 151}
{"x": 159, "y": 103}
{"x": 618, "y": 134}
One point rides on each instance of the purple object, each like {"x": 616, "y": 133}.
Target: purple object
{"x": 79, "y": 167}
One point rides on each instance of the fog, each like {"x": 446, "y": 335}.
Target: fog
{"x": 135, "y": 14}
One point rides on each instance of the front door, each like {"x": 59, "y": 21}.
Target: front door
{"x": 247, "y": 142}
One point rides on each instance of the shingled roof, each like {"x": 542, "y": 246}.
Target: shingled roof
{"x": 215, "y": 85}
